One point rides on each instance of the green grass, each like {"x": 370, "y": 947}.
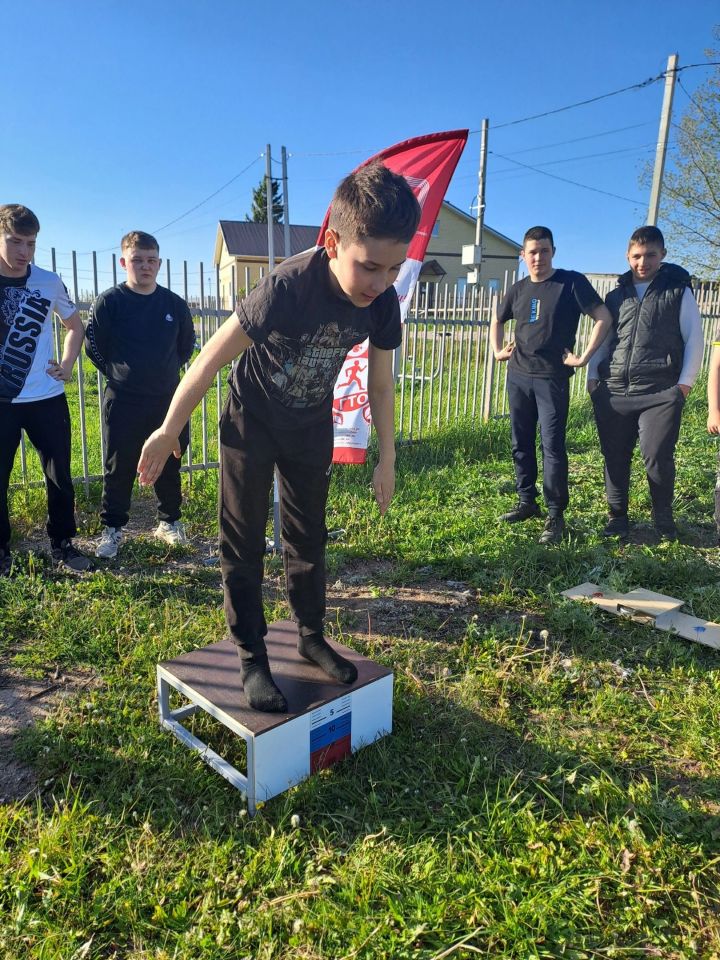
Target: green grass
{"x": 551, "y": 788}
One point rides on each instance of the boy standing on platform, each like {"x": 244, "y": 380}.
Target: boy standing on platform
{"x": 32, "y": 383}
{"x": 641, "y": 376}
{"x": 546, "y": 306}
{"x": 139, "y": 336}
{"x": 292, "y": 334}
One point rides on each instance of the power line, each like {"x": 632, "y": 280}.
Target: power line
{"x": 591, "y": 136}
{"x": 603, "y": 96}
{"x": 580, "y": 103}
{"x": 574, "y": 183}
{"x": 644, "y": 147}
{"x": 213, "y": 194}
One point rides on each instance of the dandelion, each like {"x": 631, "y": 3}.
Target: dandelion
{"x": 295, "y": 821}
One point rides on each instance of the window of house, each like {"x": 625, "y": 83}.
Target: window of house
{"x": 436, "y": 229}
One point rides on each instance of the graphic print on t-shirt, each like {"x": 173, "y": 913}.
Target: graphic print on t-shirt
{"x": 306, "y": 376}
{"x": 23, "y": 313}
{"x": 534, "y": 311}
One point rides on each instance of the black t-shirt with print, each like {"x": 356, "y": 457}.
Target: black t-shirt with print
{"x": 546, "y": 320}
{"x": 302, "y": 331}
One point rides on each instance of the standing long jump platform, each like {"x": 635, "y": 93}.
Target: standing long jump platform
{"x": 326, "y": 720}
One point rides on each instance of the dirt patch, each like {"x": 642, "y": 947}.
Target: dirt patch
{"x": 22, "y": 703}
{"x": 360, "y": 602}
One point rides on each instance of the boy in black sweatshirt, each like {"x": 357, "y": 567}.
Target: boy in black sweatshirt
{"x": 139, "y": 336}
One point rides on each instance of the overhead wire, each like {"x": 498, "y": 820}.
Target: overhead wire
{"x": 574, "y": 183}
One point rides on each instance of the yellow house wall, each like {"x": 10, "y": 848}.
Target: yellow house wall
{"x": 455, "y": 230}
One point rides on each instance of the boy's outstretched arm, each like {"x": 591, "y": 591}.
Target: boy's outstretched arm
{"x": 224, "y": 345}
{"x": 713, "y": 421}
{"x": 381, "y": 393}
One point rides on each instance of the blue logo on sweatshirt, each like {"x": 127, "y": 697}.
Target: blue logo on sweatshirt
{"x": 534, "y": 311}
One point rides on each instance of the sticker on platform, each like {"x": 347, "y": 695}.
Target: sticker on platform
{"x": 330, "y": 730}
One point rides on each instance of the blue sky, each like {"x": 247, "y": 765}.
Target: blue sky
{"x": 126, "y": 115}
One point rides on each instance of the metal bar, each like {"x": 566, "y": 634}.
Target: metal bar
{"x": 412, "y": 380}
{"x": 461, "y": 346}
{"x": 99, "y": 376}
{"x": 401, "y": 367}
{"x": 422, "y": 364}
{"x": 443, "y": 348}
{"x": 189, "y": 451}
{"x": 81, "y": 391}
{"x": 203, "y": 340}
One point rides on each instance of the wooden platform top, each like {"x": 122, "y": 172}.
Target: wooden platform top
{"x": 213, "y": 672}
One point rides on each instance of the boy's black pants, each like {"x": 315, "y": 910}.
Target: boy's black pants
{"x": 249, "y": 451}
{"x": 545, "y": 401}
{"x": 654, "y": 420}
{"x": 47, "y": 425}
{"x": 128, "y": 420}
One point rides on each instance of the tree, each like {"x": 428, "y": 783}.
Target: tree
{"x": 690, "y": 199}
{"x": 258, "y": 214}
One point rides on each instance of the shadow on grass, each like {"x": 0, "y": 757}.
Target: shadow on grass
{"x": 431, "y": 777}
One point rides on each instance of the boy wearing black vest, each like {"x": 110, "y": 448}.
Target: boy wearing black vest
{"x": 640, "y": 377}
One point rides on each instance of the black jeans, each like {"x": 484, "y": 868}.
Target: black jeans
{"x": 654, "y": 420}
{"x": 128, "y": 420}
{"x": 47, "y": 425}
{"x": 249, "y": 451}
{"x": 545, "y": 401}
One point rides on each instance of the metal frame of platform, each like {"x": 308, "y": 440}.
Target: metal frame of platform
{"x": 326, "y": 720}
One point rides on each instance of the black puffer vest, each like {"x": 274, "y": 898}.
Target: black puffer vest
{"x": 646, "y": 347}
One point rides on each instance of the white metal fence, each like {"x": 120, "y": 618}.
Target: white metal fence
{"x": 445, "y": 367}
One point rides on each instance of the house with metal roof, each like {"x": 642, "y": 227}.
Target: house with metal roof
{"x": 241, "y": 251}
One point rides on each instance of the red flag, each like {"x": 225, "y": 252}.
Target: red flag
{"x": 427, "y": 163}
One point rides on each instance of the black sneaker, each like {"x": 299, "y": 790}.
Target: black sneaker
{"x": 523, "y": 510}
{"x": 65, "y": 555}
{"x": 553, "y": 530}
{"x": 666, "y": 529}
{"x": 617, "y": 527}
{"x": 5, "y": 561}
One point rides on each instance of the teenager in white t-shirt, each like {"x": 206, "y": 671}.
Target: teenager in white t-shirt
{"x": 32, "y": 382}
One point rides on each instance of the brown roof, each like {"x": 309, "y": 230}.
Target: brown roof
{"x": 246, "y": 239}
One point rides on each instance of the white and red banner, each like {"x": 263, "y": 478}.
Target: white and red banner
{"x": 427, "y": 163}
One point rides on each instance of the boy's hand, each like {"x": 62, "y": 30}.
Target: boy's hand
{"x": 713, "y": 421}
{"x": 685, "y": 389}
{"x": 384, "y": 484}
{"x": 60, "y": 371}
{"x": 506, "y": 352}
{"x": 155, "y": 452}
{"x": 592, "y": 385}
{"x": 571, "y": 359}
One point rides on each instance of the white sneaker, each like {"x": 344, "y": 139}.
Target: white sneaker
{"x": 110, "y": 540}
{"x": 172, "y": 533}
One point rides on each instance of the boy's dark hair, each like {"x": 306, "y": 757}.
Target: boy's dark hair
{"x": 374, "y": 202}
{"x": 645, "y": 235}
{"x": 16, "y": 218}
{"x": 138, "y": 238}
{"x": 539, "y": 233}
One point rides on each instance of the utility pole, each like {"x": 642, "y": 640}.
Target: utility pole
{"x": 269, "y": 207}
{"x": 661, "y": 151}
{"x": 274, "y": 545}
{"x": 286, "y": 205}
{"x": 472, "y": 253}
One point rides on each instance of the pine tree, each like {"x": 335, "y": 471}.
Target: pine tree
{"x": 258, "y": 214}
